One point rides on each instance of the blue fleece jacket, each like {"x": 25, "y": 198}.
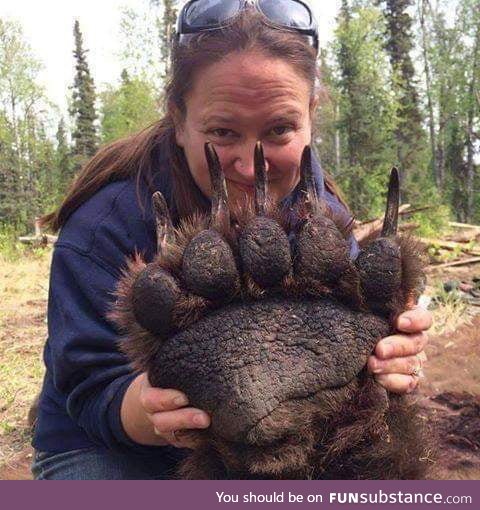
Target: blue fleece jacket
{"x": 86, "y": 374}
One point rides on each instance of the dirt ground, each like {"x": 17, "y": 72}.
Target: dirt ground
{"x": 23, "y": 329}
{"x": 449, "y": 395}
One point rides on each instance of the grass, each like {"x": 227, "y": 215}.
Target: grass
{"x": 448, "y": 309}
{"x": 23, "y": 329}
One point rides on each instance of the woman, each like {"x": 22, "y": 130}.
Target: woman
{"x": 241, "y": 73}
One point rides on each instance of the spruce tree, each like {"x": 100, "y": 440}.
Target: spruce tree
{"x": 42, "y": 193}
{"x": 348, "y": 63}
{"x": 84, "y": 136}
{"x": 63, "y": 164}
{"x": 399, "y": 44}
{"x": 365, "y": 119}
{"x": 166, "y": 29}
{"x": 9, "y": 188}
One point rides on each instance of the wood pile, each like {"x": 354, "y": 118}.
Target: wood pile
{"x": 461, "y": 248}
{"x": 38, "y": 238}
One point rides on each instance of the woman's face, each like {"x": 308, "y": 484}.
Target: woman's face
{"x": 245, "y": 98}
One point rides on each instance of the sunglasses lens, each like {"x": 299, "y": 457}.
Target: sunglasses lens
{"x": 288, "y": 14}
{"x": 207, "y": 13}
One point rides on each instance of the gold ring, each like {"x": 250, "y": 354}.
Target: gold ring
{"x": 418, "y": 370}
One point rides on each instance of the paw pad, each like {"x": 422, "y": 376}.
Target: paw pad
{"x": 209, "y": 267}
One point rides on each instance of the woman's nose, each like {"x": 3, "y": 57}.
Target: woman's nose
{"x": 244, "y": 165}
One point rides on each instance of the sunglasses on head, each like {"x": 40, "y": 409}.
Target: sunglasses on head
{"x": 203, "y": 15}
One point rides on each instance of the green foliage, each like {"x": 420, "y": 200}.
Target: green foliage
{"x": 453, "y": 55}
{"x": 448, "y": 308}
{"x": 326, "y": 133}
{"x": 366, "y": 108}
{"x": 366, "y": 191}
{"x": 380, "y": 109}
{"x": 432, "y": 222}
{"x": 10, "y": 247}
{"x": 63, "y": 161}
{"x": 409, "y": 134}
{"x": 26, "y": 155}
{"x": 373, "y": 118}
{"x": 166, "y": 24}
{"x": 82, "y": 109}
{"x": 127, "y": 109}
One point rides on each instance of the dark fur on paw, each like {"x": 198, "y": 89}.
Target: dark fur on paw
{"x": 267, "y": 325}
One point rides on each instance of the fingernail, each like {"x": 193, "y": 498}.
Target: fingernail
{"x": 388, "y": 350}
{"x": 200, "y": 420}
{"x": 180, "y": 401}
{"x": 404, "y": 323}
{"x": 375, "y": 367}
{"x": 412, "y": 386}
{"x": 157, "y": 432}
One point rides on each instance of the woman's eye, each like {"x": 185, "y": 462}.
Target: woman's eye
{"x": 221, "y": 132}
{"x": 280, "y": 130}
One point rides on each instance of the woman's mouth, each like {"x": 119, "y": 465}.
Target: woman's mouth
{"x": 245, "y": 188}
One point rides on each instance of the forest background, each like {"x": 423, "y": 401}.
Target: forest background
{"x": 401, "y": 87}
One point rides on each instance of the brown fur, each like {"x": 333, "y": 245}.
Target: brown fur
{"x": 137, "y": 343}
{"x": 368, "y": 436}
{"x": 414, "y": 260}
{"x": 356, "y": 431}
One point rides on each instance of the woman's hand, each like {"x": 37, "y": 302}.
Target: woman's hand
{"x": 156, "y": 417}
{"x": 399, "y": 358}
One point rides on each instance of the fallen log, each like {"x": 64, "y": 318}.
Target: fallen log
{"x": 418, "y": 209}
{"x": 449, "y": 245}
{"x": 365, "y": 233}
{"x": 407, "y": 227}
{"x": 455, "y": 224}
{"x": 465, "y": 262}
{"x": 464, "y": 236}
{"x": 401, "y": 210}
{"x": 38, "y": 240}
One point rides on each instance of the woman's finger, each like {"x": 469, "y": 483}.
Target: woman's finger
{"x": 399, "y": 346}
{"x": 415, "y": 320}
{"x": 178, "y": 439}
{"x": 185, "y": 418}
{"x": 155, "y": 400}
{"x": 407, "y": 365}
{"x": 398, "y": 383}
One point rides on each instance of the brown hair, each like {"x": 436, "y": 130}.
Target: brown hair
{"x": 138, "y": 155}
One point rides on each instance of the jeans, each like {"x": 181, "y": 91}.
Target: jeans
{"x": 100, "y": 464}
